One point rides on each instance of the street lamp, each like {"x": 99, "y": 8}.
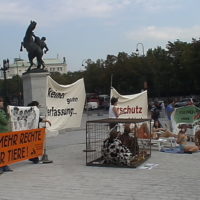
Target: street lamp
{"x": 137, "y": 50}
{"x": 4, "y": 69}
{"x": 84, "y": 60}
{"x": 18, "y": 85}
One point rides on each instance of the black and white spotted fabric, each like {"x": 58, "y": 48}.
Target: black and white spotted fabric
{"x": 116, "y": 153}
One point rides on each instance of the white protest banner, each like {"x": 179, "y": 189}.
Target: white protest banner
{"x": 65, "y": 104}
{"x": 23, "y": 118}
{"x": 134, "y": 106}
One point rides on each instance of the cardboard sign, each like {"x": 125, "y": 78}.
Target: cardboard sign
{"x": 21, "y": 145}
{"x": 189, "y": 115}
{"x": 186, "y": 114}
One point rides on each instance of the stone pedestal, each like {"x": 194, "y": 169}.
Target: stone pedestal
{"x": 35, "y": 87}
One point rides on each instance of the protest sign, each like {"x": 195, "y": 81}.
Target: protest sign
{"x": 23, "y": 118}
{"x": 65, "y": 104}
{"x": 189, "y": 115}
{"x": 21, "y": 145}
{"x": 133, "y": 106}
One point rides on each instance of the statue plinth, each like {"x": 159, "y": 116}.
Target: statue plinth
{"x": 35, "y": 86}
{"x": 35, "y": 70}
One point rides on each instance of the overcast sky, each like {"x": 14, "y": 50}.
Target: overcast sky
{"x": 92, "y": 29}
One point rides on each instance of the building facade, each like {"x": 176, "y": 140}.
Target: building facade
{"x": 20, "y": 66}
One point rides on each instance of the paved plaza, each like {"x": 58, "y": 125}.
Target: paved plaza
{"x": 176, "y": 177}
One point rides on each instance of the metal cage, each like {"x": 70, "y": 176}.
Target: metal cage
{"x": 97, "y": 131}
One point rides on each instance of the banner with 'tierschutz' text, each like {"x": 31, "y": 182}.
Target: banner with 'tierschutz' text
{"x": 133, "y": 106}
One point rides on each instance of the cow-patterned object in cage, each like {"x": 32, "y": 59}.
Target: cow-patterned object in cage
{"x": 114, "y": 152}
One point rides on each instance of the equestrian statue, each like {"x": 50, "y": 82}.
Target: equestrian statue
{"x": 34, "y": 46}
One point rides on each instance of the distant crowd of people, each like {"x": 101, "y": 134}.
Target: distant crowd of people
{"x": 182, "y": 137}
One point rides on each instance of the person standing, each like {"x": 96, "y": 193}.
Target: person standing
{"x": 113, "y": 111}
{"x": 36, "y": 103}
{"x": 4, "y": 119}
{"x": 169, "y": 110}
{"x": 4, "y": 127}
{"x": 155, "y": 111}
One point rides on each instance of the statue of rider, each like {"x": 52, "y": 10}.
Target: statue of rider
{"x": 34, "y": 46}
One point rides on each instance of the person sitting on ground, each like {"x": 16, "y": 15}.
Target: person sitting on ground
{"x": 114, "y": 152}
{"x": 197, "y": 138}
{"x": 158, "y": 131}
{"x": 182, "y": 141}
{"x": 130, "y": 142}
{"x": 142, "y": 132}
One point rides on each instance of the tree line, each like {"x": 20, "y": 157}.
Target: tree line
{"x": 173, "y": 71}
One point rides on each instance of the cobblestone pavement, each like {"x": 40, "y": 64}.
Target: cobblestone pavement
{"x": 177, "y": 176}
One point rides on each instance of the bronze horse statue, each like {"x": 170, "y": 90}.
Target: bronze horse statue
{"x": 32, "y": 44}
